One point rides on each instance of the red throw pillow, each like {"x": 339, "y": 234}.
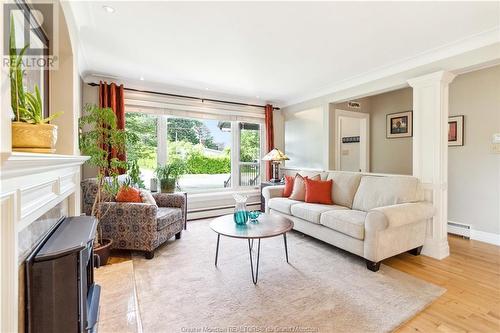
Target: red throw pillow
{"x": 128, "y": 194}
{"x": 288, "y": 186}
{"x": 318, "y": 191}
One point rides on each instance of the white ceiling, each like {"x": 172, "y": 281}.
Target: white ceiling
{"x": 279, "y": 51}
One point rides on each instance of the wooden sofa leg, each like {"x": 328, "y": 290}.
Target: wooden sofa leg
{"x": 416, "y": 251}
{"x": 149, "y": 254}
{"x": 178, "y": 235}
{"x": 372, "y": 266}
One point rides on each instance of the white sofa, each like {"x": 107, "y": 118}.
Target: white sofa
{"x": 375, "y": 217}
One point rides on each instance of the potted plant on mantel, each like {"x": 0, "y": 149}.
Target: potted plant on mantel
{"x": 169, "y": 173}
{"x": 98, "y": 134}
{"x": 30, "y": 131}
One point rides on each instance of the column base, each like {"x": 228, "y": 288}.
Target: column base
{"x": 435, "y": 248}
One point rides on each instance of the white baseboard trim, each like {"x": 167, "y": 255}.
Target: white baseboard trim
{"x": 486, "y": 237}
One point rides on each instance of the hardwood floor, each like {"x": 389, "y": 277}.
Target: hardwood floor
{"x": 471, "y": 275}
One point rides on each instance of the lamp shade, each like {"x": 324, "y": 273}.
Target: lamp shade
{"x": 275, "y": 155}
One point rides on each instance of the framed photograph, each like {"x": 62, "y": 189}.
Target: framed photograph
{"x": 399, "y": 125}
{"x": 455, "y": 131}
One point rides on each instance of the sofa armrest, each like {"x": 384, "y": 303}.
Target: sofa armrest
{"x": 269, "y": 192}
{"x": 177, "y": 200}
{"x": 397, "y": 215}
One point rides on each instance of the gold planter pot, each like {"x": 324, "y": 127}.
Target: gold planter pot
{"x": 39, "y": 138}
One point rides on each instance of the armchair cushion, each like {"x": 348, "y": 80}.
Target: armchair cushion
{"x": 166, "y": 216}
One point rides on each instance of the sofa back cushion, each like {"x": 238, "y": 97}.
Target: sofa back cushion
{"x": 345, "y": 185}
{"x": 376, "y": 191}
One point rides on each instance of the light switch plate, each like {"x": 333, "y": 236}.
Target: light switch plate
{"x": 496, "y": 138}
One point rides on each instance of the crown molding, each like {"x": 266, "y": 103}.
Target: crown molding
{"x": 429, "y": 61}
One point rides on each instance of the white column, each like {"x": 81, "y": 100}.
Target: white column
{"x": 430, "y": 153}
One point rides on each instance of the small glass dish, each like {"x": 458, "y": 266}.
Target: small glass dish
{"x": 254, "y": 215}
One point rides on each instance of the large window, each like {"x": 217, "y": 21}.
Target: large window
{"x": 249, "y": 162}
{"x": 143, "y": 143}
{"x": 215, "y": 152}
{"x": 205, "y": 147}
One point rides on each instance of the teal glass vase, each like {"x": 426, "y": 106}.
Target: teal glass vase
{"x": 241, "y": 217}
{"x": 240, "y": 210}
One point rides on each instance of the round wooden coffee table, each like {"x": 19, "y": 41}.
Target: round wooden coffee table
{"x": 265, "y": 227}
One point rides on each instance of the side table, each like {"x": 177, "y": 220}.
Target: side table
{"x": 262, "y": 200}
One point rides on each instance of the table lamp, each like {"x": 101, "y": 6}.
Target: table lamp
{"x": 275, "y": 156}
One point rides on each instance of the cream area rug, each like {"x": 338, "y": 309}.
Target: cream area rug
{"x": 322, "y": 289}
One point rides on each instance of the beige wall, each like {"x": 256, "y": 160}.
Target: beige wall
{"x": 389, "y": 155}
{"x": 386, "y": 155}
{"x": 474, "y": 170}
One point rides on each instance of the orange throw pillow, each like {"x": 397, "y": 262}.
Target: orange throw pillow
{"x": 318, "y": 191}
{"x": 288, "y": 186}
{"x": 128, "y": 194}
{"x": 299, "y": 187}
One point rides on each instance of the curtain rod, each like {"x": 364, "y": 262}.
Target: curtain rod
{"x": 92, "y": 84}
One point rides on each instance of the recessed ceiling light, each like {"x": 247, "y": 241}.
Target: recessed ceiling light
{"x": 109, "y": 9}
{"x": 206, "y": 88}
{"x": 141, "y": 78}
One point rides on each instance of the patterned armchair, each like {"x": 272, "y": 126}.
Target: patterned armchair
{"x": 138, "y": 226}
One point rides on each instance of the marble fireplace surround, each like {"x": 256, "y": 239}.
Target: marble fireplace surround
{"x": 33, "y": 187}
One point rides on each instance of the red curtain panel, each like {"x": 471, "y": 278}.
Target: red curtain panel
{"x": 269, "y": 137}
{"x": 111, "y": 96}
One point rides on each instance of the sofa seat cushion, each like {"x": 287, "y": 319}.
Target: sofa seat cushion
{"x": 282, "y": 205}
{"x": 349, "y": 222}
{"x": 311, "y": 211}
{"x": 166, "y": 216}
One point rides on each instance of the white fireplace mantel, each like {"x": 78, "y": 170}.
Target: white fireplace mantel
{"x": 31, "y": 184}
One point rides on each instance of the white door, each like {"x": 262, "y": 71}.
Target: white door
{"x": 352, "y": 141}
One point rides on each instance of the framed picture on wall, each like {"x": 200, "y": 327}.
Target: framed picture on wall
{"x": 456, "y": 131}
{"x": 399, "y": 125}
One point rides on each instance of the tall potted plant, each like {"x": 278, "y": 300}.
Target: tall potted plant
{"x": 99, "y": 133}
{"x": 169, "y": 173}
{"x": 30, "y": 131}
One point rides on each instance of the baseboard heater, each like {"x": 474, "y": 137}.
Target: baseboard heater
{"x": 459, "y": 229}
{"x": 201, "y": 213}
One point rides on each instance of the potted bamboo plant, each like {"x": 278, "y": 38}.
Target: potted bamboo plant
{"x": 99, "y": 133}
{"x": 169, "y": 173}
{"x": 30, "y": 131}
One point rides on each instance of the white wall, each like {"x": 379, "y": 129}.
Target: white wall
{"x": 304, "y": 138}
{"x": 474, "y": 170}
